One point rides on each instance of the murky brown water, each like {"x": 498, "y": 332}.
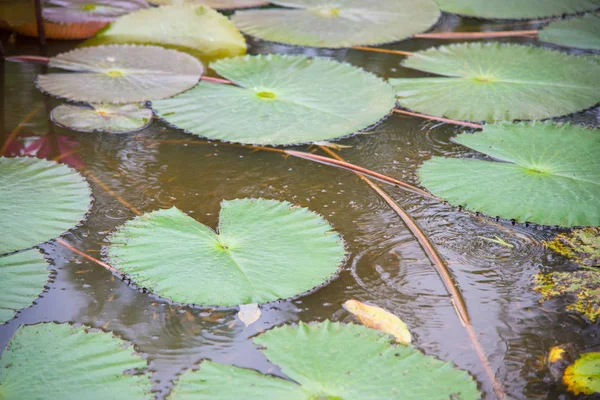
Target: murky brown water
{"x": 386, "y": 266}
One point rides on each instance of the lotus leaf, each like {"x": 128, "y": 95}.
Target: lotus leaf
{"x": 39, "y": 200}
{"x": 280, "y": 100}
{"x": 583, "y": 376}
{"x": 551, "y": 174}
{"x": 22, "y": 279}
{"x": 58, "y": 361}
{"x": 78, "y": 11}
{"x": 499, "y": 82}
{"x": 103, "y": 117}
{"x": 330, "y": 361}
{"x": 195, "y": 29}
{"x": 342, "y": 23}
{"x": 264, "y": 250}
{"x": 121, "y": 74}
{"x": 582, "y": 32}
{"x": 517, "y": 9}
{"x": 218, "y": 4}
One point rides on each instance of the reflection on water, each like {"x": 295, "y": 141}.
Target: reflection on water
{"x": 161, "y": 167}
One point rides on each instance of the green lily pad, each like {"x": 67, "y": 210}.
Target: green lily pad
{"x": 580, "y": 245}
{"x": 39, "y": 200}
{"x": 58, "y": 361}
{"x": 551, "y": 174}
{"x": 264, "y": 250}
{"x": 79, "y": 11}
{"x": 103, "y": 117}
{"x": 195, "y": 29}
{"x": 583, "y": 376}
{"x": 218, "y": 4}
{"x": 280, "y": 100}
{"x": 121, "y": 74}
{"x": 330, "y": 361}
{"x": 499, "y": 82}
{"x": 517, "y": 9}
{"x": 343, "y": 23}
{"x": 22, "y": 279}
{"x": 582, "y": 32}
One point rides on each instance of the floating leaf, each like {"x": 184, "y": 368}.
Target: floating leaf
{"x": 218, "y": 4}
{"x": 497, "y": 240}
{"x": 121, "y": 74}
{"x": 499, "y": 82}
{"x": 103, "y": 117}
{"x": 551, "y": 175}
{"x": 517, "y": 9}
{"x": 58, "y": 361}
{"x": 264, "y": 250}
{"x": 344, "y": 23}
{"x": 280, "y": 100}
{"x": 580, "y": 245}
{"x": 79, "y": 11}
{"x": 330, "y": 361}
{"x": 22, "y": 279}
{"x": 195, "y": 29}
{"x": 582, "y": 32}
{"x": 379, "y": 319}
{"x": 249, "y": 313}
{"x": 583, "y": 376}
{"x": 582, "y": 286}
{"x": 39, "y": 200}
{"x": 556, "y": 354}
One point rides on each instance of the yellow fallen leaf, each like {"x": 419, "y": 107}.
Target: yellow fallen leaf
{"x": 379, "y": 319}
{"x": 556, "y": 354}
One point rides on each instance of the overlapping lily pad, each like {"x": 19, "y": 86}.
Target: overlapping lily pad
{"x": 121, "y": 74}
{"x": 103, "y": 117}
{"x": 218, "y": 4}
{"x": 280, "y": 100}
{"x": 58, "y": 361}
{"x": 343, "y": 23}
{"x": 551, "y": 174}
{"x": 330, "y": 361}
{"x": 39, "y": 200}
{"x": 583, "y": 376}
{"x": 22, "y": 279}
{"x": 195, "y": 29}
{"x": 78, "y": 11}
{"x": 264, "y": 250}
{"x": 517, "y": 9}
{"x": 582, "y": 32}
{"x": 499, "y": 82}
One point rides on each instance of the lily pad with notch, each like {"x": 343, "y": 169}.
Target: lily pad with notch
{"x": 121, "y": 74}
{"x": 580, "y": 32}
{"x": 339, "y": 24}
{"x": 51, "y": 361}
{"x": 330, "y": 361}
{"x": 499, "y": 82}
{"x": 517, "y": 9}
{"x": 550, "y": 174}
{"x": 39, "y": 200}
{"x": 81, "y": 11}
{"x": 280, "y": 100}
{"x": 103, "y": 117}
{"x": 263, "y": 250}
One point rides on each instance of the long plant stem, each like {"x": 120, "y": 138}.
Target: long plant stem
{"x": 440, "y": 119}
{"x": 111, "y": 192}
{"x": 15, "y": 132}
{"x": 87, "y": 256}
{"x": 457, "y": 299}
{"x": 39, "y": 19}
{"x": 386, "y": 51}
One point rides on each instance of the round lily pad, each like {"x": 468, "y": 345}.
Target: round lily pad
{"x": 344, "y": 23}
{"x": 195, "y": 29}
{"x": 330, "y": 361}
{"x": 264, "y": 250}
{"x": 517, "y": 9}
{"x": 550, "y": 174}
{"x": 582, "y": 32}
{"x": 583, "y": 376}
{"x": 121, "y": 74}
{"x": 39, "y": 200}
{"x": 499, "y": 82}
{"x": 22, "y": 279}
{"x": 280, "y": 100}
{"x": 58, "y": 361}
{"x": 78, "y": 11}
{"x": 218, "y": 4}
{"x": 103, "y": 117}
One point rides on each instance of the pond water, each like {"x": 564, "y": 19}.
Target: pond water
{"x": 161, "y": 166}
